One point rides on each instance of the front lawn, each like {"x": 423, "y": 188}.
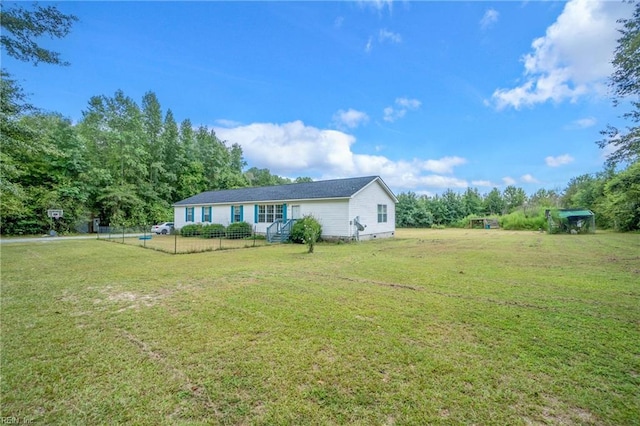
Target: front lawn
{"x": 431, "y": 327}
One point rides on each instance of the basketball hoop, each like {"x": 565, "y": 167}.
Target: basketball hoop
{"x": 55, "y": 213}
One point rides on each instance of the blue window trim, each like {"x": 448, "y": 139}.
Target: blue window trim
{"x": 188, "y": 210}
{"x": 206, "y": 210}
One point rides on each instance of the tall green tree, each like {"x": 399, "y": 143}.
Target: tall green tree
{"x": 545, "y": 198}
{"x": 114, "y": 132}
{"x": 153, "y": 127}
{"x": 513, "y": 197}
{"x": 173, "y": 155}
{"x": 472, "y": 201}
{"x": 625, "y": 84}
{"x": 493, "y": 202}
{"x": 20, "y": 29}
{"x": 622, "y": 194}
{"x": 412, "y": 212}
{"x": 263, "y": 177}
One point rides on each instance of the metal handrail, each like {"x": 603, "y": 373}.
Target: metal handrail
{"x": 270, "y": 231}
{"x": 282, "y": 228}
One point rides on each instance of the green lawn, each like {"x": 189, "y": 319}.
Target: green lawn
{"x": 432, "y": 327}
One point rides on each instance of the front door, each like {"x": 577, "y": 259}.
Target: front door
{"x": 295, "y": 212}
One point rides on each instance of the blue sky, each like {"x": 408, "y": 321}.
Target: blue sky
{"x": 428, "y": 95}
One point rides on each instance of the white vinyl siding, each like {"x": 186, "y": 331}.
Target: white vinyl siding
{"x": 364, "y": 206}
{"x": 335, "y": 215}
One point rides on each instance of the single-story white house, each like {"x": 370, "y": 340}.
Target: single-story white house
{"x": 354, "y": 208}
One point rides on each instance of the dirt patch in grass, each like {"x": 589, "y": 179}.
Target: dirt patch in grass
{"x": 555, "y": 412}
{"x": 367, "y": 281}
{"x": 124, "y": 300}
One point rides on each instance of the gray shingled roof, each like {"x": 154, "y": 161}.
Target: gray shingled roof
{"x": 336, "y": 188}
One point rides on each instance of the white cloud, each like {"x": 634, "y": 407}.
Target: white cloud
{"x": 386, "y": 35}
{"x": 490, "y": 17}
{"x": 508, "y": 180}
{"x": 297, "y": 149}
{"x": 227, "y": 123}
{"x": 486, "y": 183}
{"x": 443, "y": 165}
{"x": 559, "y": 160}
{"x": 392, "y": 115}
{"x": 403, "y": 105}
{"x": 378, "y": 5}
{"x": 572, "y": 59}
{"x": 369, "y": 46}
{"x": 350, "y": 118}
{"x": 584, "y": 123}
{"x": 528, "y": 178}
{"x": 408, "y": 103}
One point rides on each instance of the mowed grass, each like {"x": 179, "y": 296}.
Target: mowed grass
{"x": 431, "y": 327}
{"x": 177, "y": 244}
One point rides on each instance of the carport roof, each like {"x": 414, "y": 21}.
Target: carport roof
{"x": 574, "y": 212}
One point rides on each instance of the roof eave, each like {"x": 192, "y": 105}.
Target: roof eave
{"x": 288, "y": 200}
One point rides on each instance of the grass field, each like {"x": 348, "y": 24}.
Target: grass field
{"x": 431, "y": 327}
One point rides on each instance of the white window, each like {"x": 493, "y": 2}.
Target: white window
{"x": 382, "y": 213}
{"x": 268, "y": 213}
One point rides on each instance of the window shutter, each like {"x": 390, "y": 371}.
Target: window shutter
{"x": 186, "y": 214}
{"x": 232, "y": 212}
{"x": 241, "y": 213}
{"x": 255, "y": 214}
{"x": 202, "y": 214}
{"x": 284, "y": 212}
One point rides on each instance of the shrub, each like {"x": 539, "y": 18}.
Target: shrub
{"x": 519, "y": 221}
{"x": 215, "y": 230}
{"x": 239, "y": 230}
{"x": 306, "y": 231}
{"x": 192, "y": 230}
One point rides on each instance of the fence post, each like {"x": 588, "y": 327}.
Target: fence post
{"x": 122, "y": 234}
{"x": 175, "y": 242}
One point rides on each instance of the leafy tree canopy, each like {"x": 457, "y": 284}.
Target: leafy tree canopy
{"x": 22, "y": 27}
{"x": 625, "y": 82}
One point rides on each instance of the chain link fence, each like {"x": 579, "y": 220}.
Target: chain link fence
{"x": 189, "y": 239}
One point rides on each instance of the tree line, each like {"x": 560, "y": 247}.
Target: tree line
{"x": 123, "y": 163}
{"x": 127, "y": 163}
{"x": 614, "y": 197}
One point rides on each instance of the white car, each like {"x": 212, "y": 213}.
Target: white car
{"x": 163, "y": 228}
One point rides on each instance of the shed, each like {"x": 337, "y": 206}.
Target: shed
{"x": 352, "y": 208}
{"x": 484, "y": 223}
{"x": 573, "y": 221}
